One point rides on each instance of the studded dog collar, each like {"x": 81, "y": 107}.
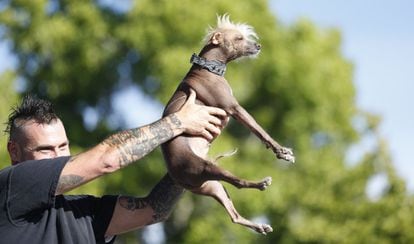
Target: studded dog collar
{"x": 213, "y": 66}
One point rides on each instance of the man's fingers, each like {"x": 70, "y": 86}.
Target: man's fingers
{"x": 214, "y": 131}
{"x": 210, "y": 132}
{"x": 202, "y": 120}
{"x": 207, "y": 135}
{"x": 217, "y": 111}
{"x": 215, "y": 121}
{"x": 211, "y": 110}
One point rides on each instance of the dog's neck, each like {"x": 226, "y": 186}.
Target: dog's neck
{"x": 214, "y": 66}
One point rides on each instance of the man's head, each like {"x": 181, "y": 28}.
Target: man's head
{"x": 35, "y": 132}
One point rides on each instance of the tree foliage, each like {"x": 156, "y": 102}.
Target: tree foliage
{"x": 79, "y": 54}
{"x": 8, "y": 99}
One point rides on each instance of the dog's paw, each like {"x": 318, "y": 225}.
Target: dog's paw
{"x": 265, "y": 183}
{"x": 285, "y": 154}
{"x": 289, "y": 158}
{"x": 264, "y": 229}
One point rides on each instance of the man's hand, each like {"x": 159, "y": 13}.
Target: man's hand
{"x": 201, "y": 120}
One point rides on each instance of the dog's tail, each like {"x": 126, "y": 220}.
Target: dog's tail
{"x": 226, "y": 154}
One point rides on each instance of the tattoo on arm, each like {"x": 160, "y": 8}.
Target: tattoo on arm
{"x": 68, "y": 182}
{"x": 136, "y": 143}
{"x": 175, "y": 120}
{"x": 162, "y": 199}
{"x": 132, "y": 203}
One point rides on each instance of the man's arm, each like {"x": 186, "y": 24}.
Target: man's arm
{"x": 132, "y": 212}
{"x": 126, "y": 147}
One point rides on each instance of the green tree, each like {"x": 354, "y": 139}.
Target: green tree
{"x": 8, "y": 99}
{"x": 79, "y": 54}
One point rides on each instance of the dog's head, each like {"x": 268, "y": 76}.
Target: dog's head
{"x": 235, "y": 40}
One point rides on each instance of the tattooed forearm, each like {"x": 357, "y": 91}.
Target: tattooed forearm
{"x": 68, "y": 182}
{"x": 175, "y": 120}
{"x": 162, "y": 199}
{"x": 136, "y": 143}
{"x": 132, "y": 203}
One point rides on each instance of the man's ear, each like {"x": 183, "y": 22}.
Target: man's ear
{"x": 13, "y": 152}
{"x": 217, "y": 38}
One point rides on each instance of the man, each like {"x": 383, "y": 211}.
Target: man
{"x": 33, "y": 207}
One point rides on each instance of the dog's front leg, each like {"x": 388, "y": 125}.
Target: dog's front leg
{"x": 240, "y": 114}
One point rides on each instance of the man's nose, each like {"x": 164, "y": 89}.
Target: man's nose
{"x": 55, "y": 153}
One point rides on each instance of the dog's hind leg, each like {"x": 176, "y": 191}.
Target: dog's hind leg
{"x": 216, "y": 190}
{"x": 214, "y": 172}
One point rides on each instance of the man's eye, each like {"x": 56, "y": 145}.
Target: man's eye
{"x": 45, "y": 150}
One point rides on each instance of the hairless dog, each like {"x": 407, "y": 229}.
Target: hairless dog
{"x": 186, "y": 156}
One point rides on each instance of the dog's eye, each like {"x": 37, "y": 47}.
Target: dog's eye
{"x": 239, "y": 38}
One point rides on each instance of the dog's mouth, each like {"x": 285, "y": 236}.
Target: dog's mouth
{"x": 254, "y": 50}
{"x": 252, "y": 53}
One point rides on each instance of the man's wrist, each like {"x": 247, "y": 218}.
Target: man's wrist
{"x": 176, "y": 124}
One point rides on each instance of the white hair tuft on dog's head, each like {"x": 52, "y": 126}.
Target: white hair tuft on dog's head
{"x": 224, "y": 23}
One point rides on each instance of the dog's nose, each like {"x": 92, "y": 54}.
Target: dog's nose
{"x": 258, "y": 46}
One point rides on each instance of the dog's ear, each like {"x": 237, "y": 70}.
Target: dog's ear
{"x": 217, "y": 38}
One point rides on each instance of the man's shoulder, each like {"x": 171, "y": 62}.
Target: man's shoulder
{"x": 4, "y": 172}
{"x": 4, "y": 175}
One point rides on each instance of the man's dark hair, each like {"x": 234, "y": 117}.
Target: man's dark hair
{"x": 31, "y": 108}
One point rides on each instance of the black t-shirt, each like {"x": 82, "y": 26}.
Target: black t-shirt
{"x": 31, "y": 213}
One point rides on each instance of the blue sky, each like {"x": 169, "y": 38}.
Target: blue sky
{"x": 378, "y": 37}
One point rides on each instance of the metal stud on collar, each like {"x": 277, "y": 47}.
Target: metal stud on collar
{"x": 214, "y": 66}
